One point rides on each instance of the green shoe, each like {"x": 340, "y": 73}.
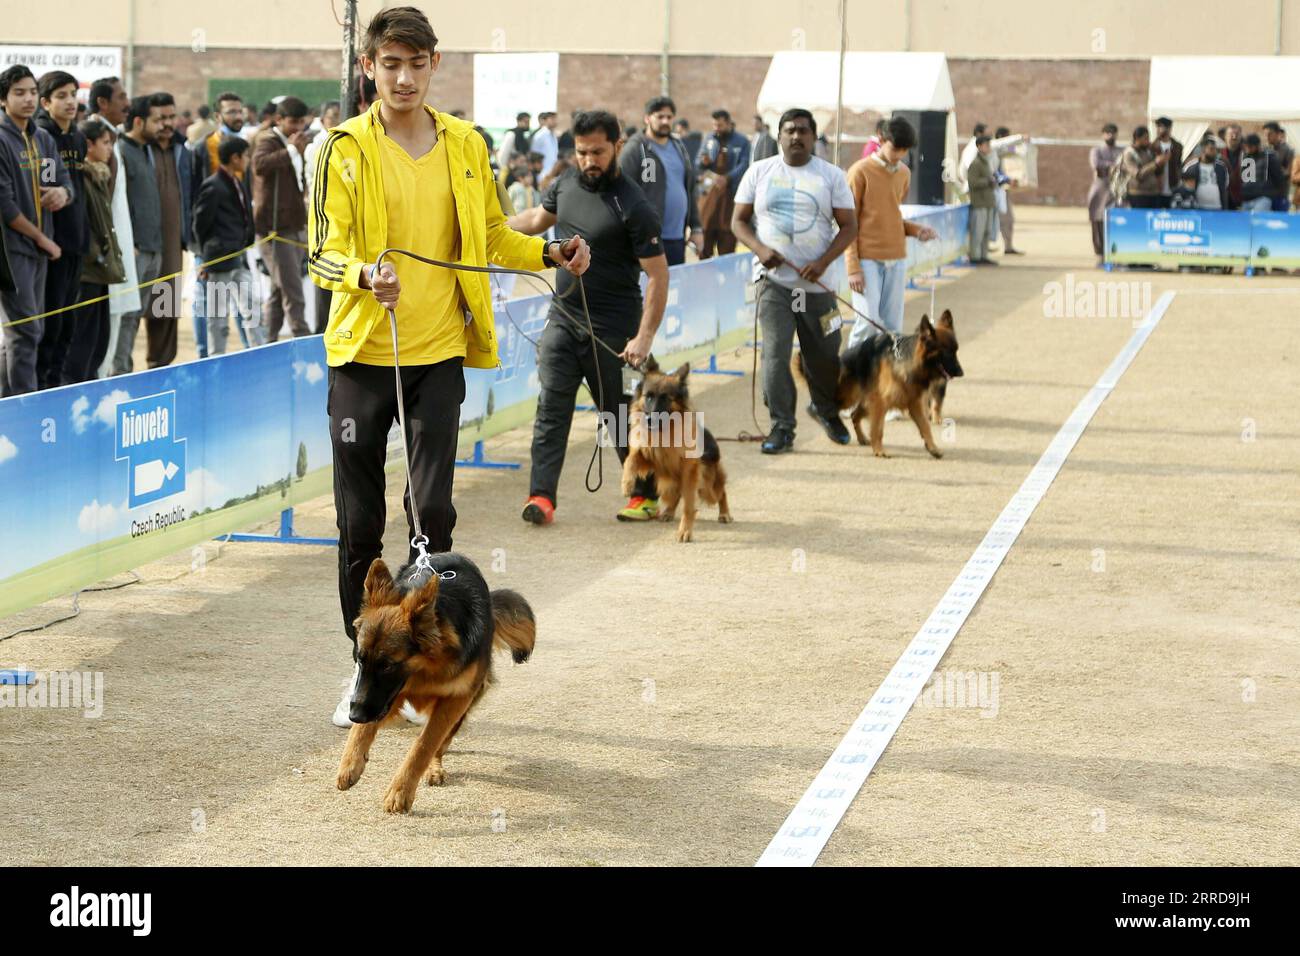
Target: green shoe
{"x": 640, "y": 509}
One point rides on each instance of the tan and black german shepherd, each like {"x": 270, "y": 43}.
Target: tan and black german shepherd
{"x": 666, "y": 437}
{"x": 876, "y": 377}
{"x": 430, "y": 644}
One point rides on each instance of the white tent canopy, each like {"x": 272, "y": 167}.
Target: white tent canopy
{"x": 875, "y": 82}
{"x": 1207, "y": 88}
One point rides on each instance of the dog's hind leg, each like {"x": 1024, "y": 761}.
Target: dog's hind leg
{"x": 356, "y": 752}
{"x": 876, "y": 411}
{"x": 446, "y": 717}
{"x": 670, "y": 492}
{"x": 719, "y": 480}
{"x": 859, "y": 413}
{"x": 923, "y": 426}
{"x": 436, "y": 776}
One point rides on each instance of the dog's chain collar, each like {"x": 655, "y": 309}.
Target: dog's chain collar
{"x": 424, "y": 561}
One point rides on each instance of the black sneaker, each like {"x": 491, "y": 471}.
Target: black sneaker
{"x": 779, "y": 442}
{"x": 834, "y": 427}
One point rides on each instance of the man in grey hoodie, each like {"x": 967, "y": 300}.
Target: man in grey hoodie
{"x": 34, "y": 184}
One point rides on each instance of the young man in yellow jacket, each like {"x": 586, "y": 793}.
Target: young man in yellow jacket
{"x": 404, "y": 175}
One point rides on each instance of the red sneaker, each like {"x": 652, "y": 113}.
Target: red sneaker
{"x": 539, "y": 510}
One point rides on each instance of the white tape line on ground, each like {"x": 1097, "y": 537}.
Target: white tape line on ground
{"x": 810, "y": 824}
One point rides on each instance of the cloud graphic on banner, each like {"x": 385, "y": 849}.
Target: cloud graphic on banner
{"x": 7, "y": 448}
{"x": 99, "y": 519}
{"x": 1275, "y": 224}
{"x": 311, "y": 371}
{"x": 104, "y": 411}
{"x": 202, "y": 490}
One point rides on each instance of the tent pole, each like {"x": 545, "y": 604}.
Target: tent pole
{"x": 663, "y": 57}
{"x": 839, "y": 95}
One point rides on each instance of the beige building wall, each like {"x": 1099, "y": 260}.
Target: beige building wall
{"x": 960, "y": 28}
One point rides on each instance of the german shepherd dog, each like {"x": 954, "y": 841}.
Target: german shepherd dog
{"x": 876, "y": 376}
{"x": 428, "y": 642}
{"x": 664, "y": 438}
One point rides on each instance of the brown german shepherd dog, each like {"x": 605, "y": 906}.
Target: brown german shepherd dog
{"x": 430, "y": 643}
{"x": 664, "y": 438}
{"x": 875, "y": 377}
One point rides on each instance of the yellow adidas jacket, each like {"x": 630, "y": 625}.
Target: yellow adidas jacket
{"x": 348, "y": 228}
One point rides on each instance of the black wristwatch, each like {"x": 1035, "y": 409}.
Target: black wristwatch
{"x": 546, "y": 255}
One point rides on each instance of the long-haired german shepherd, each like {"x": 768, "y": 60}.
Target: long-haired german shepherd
{"x": 429, "y": 643}
{"x": 664, "y": 438}
{"x": 876, "y": 376}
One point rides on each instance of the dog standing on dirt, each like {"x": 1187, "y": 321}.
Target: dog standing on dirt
{"x": 664, "y": 437}
{"x": 906, "y": 372}
{"x": 427, "y": 640}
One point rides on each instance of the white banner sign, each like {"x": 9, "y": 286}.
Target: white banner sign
{"x": 510, "y": 83}
{"x": 86, "y": 63}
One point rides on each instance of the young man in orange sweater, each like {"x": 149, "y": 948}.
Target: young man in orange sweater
{"x": 877, "y": 261}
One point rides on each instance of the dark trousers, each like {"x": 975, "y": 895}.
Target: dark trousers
{"x": 323, "y": 299}
{"x": 782, "y": 315}
{"x": 1145, "y": 202}
{"x": 674, "y": 250}
{"x": 362, "y": 406}
{"x": 160, "y": 323}
{"x": 1099, "y": 236}
{"x": 564, "y": 362}
{"x": 21, "y": 341}
{"x": 721, "y": 241}
{"x": 62, "y": 287}
{"x": 89, "y": 341}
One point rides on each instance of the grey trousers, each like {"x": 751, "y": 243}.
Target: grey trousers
{"x": 980, "y": 220}
{"x": 286, "y": 300}
{"x": 148, "y": 266}
{"x": 229, "y": 295}
{"x": 783, "y": 313}
{"x": 21, "y": 342}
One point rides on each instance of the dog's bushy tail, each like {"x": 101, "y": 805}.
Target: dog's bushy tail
{"x": 515, "y": 628}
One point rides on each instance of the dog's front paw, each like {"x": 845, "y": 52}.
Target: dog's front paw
{"x": 397, "y": 799}
{"x": 349, "y": 774}
{"x": 935, "y": 452}
{"x": 683, "y": 535}
{"x": 725, "y": 519}
{"x": 436, "y": 776}
{"x": 666, "y": 516}
{"x": 881, "y": 454}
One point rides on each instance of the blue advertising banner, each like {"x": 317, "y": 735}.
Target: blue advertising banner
{"x": 1174, "y": 237}
{"x": 1274, "y": 240}
{"x": 951, "y": 223}
{"x": 107, "y": 475}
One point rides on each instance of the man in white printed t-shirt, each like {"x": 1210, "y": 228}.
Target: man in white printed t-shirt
{"x": 796, "y": 213}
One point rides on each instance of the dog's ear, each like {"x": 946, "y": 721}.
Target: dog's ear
{"x": 925, "y": 330}
{"x": 379, "y": 584}
{"x": 417, "y": 599}
{"x": 945, "y": 320}
{"x": 649, "y": 365}
{"x": 682, "y": 372}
